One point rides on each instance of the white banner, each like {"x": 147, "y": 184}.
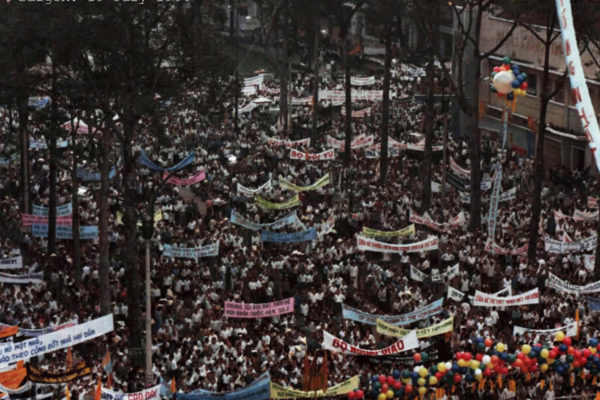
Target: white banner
{"x": 323, "y": 156}
{"x": 420, "y": 276}
{"x": 454, "y": 294}
{"x": 482, "y": 299}
{"x": 493, "y": 208}
{"x": 458, "y": 170}
{"x": 356, "y": 95}
{"x": 68, "y": 337}
{"x": 327, "y": 226}
{"x": 358, "y": 142}
{"x": 579, "y": 215}
{"x": 579, "y": 89}
{"x": 495, "y": 249}
{"x": 558, "y": 247}
{"x": 554, "y": 282}
{"x": 592, "y": 202}
{"x": 36, "y": 277}
{"x": 209, "y": 250}
{"x": 374, "y": 51}
{"x": 455, "y": 222}
{"x": 366, "y": 244}
{"x": 152, "y": 393}
{"x": 358, "y": 113}
{"x": 569, "y": 330}
{"x": 288, "y": 144}
{"x": 246, "y": 191}
{"x": 11, "y": 263}
{"x": 255, "y": 81}
{"x": 333, "y": 343}
{"x": 362, "y": 80}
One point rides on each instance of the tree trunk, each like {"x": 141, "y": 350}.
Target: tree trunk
{"x": 315, "y": 116}
{"x": 75, "y": 206}
{"x": 23, "y": 139}
{"x": 597, "y": 260}
{"x": 51, "y": 139}
{"x": 283, "y": 84}
{"x": 445, "y": 160}
{"x": 385, "y": 107}
{"x": 348, "y": 104}
{"x": 428, "y": 128}
{"x": 105, "y": 297}
{"x": 536, "y": 201}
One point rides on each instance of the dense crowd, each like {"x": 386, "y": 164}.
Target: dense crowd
{"x": 192, "y": 339}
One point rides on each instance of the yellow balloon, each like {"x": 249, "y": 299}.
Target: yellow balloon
{"x": 461, "y": 363}
{"x": 475, "y": 364}
{"x": 382, "y": 396}
{"x": 500, "y": 347}
{"x": 406, "y": 380}
{"x": 593, "y": 350}
{"x": 423, "y": 372}
{"x": 421, "y": 381}
{"x": 490, "y": 366}
{"x": 526, "y": 348}
{"x": 560, "y": 336}
{"x": 551, "y": 360}
{"x": 390, "y": 394}
{"x": 432, "y": 380}
{"x": 422, "y": 390}
{"x": 544, "y": 353}
{"x": 477, "y": 378}
{"x": 441, "y": 367}
{"x": 544, "y": 367}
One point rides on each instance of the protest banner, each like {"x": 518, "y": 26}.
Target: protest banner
{"x": 303, "y": 236}
{"x": 404, "y": 319}
{"x": 146, "y": 162}
{"x": 259, "y": 310}
{"x": 267, "y": 186}
{"x": 454, "y": 223}
{"x": 86, "y": 232}
{"x": 579, "y": 89}
{"x": 5, "y": 161}
{"x": 11, "y": 263}
{"x": 326, "y": 155}
{"x": 25, "y": 332}
{"x": 288, "y": 144}
{"x": 358, "y": 142}
{"x": 577, "y": 246}
{"x": 454, "y": 294}
{"x": 458, "y": 170}
{"x": 482, "y": 299}
{"x": 264, "y": 203}
{"x": 332, "y": 343}
{"x": 593, "y": 303}
{"x": 404, "y": 232}
{"x": 281, "y": 392}
{"x": 579, "y": 215}
{"x": 61, "y": 211}
{"x": 556, "y": 283}
{"x": 418, "y": 275}
{"x": 362, "y": 80}
{"x": 569, "y": 330}
{"x": 356, "y": 95}
{"x": 433, "y": 330}
{"x": 366, "y": 244}
{"x": 87, "y": 176}
{"x": 38, "y": 375}
{"x": 495, "y": 249}
{"x": 592, "y": 202}
{"x": 257, "y": 80}
{"x": 42, "y": 145}
{"x": 11, "y": 379}
{"x": 257, "y": 390}
{"x": 152, "y": 393}
{"x": 30, "y": 219}
{"x": 68, "y": 337}
{"x": 199, "y": 177}
{"x": 285, "y": 184}
{"x": 36, "y": 277}
{"x": 372, "y": 153}
{"x": 326, "y": 226}
{"x": 493, "y": 209}
{"x": 209, "y": 250}
{"x": 238, "y": 219}
{"x": 358, "y": 113}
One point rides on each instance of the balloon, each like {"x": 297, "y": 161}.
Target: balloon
{"x": 424, "y": 356}
{"x": 494, "y": 359}
{"x": 382, "y": 396}
{"x": 462, "y": 363}
{"x": 593, "y": 342}
{"x": 510, "y": 96}
{"x": 516, "y": 83}
{"x": 506, "y": 60}
{"x": 544, "y": 353}
{"x": 360, "y": 394}
{"x": 503, "y": 81}
{"x": 586, "y": 353}
{"x": 474, "y": 364}
{"x": 396, "y": 374}
{"x": 382, "y": 379}
{"x": 390, "y": 380}
{"x": 467, "y": 356}
{"x": 422, "y": 390}
{"x": 421, "y": 381}
{"x": 433, "y": 380}
{"x": 563, "y": 348}
{"x": 488, "y": 342}
{"x": 397, "y": 385}
{"x": 423, "y": 372}
{"x": 481, "y": 346}
{"x": 457, "y": 378}
{"x": 385, "y": 387}
{"x": 441, "y": 367}
{"x": 375, "y": 378}
{"x": 390, "y": 394}
{"x": 408, "y": 389}
{"x": 500, "y": 347}
{"x": 448, "y": 365}
{"x": 524, "y": 85}
{"x": 417, "y": 357}
{"x": 377, "y": 385}
{"x": 526, "y": 348}
{"x": 567, "y": 341}
{"x": 560, "y": 336}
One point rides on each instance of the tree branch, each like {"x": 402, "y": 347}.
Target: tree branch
{"x": 501, "y": 42}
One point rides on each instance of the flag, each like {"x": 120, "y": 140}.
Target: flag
{"x": 69, "y": 358}
{"x": 8, "y": 331}
{"x": 67, "y": 392}
{"x": 173, "y": 386}
{"x": 98, "y": 394}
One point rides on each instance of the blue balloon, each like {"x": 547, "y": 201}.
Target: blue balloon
{"x": 503, "y": 356}
{"x": 515, "y": 84}
{"x": 510, "y": 96}
{"x": 455, "y": 367}
{"x": 396, "y": 374}
{"x": 479, "y": 339}
{"x": 593, "y": 342}
{"x": 562, "y": 348}
{"x": 375, "y": 378}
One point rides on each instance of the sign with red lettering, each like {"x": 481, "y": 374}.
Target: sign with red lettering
{"x": 482, "y": 299}
{"x": 332, "y": 343}
{"x": 152, "y": 393}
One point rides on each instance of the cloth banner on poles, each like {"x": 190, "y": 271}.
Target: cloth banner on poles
{"x": 87, "y": 176}
{"x": 404, "y": 232}
{"x": 209, "y": 250}
{"x": 267, "y": 186}
{"x": 556, "y": 283}
{"x": 326, "y": 226}
{"x": 264, "y": 203}
{"x": 433, "y": 330}
{"x": 579, "y": 215}
{"x": 333, "y": 343}
{"x": 579, "y": 89}
{"x": 326, "y": 155}
{"x": 358, "y": 113}
{"x": 285, "y": 184}
{"x": 42, "y": 145}
{"x": 68, "y": 337}
{"x": 365, "y": 244}
{"x": 30, "y": 219}
{"x": 238, "y": 219}
{"x": 358, "y": 142}
{"x": 199, "y": 177}
{"x": 558, "y": 247}
{"x": 35, "y": 374}
{"x": 36, "y": 277}
{"x": 454, "y": 223}
{"x": 495, "y": 249}
{"x": 11, "y": 263}
{"x": 454, "y": 294}
{"x": 482, "y": 299}
{"x": 24, "y": 332}
{"x": 146, "y": 162}
{"x": 569, "y": 330}
{"x": 288, "y": 144}
{"x": 371, "y": 153}
{"x": 592, "y": 202}
{"x": 257, "y": 390}
{"x": 362, "y": 80}
{"x": 152, "y": 393}
{"x": 61, "y": 211}
{"x": 259, "y": 310}
{"x": 420, "y": 276}
{"x": 303, "y": 236}
{"x": 458, "y": 170}
{"x": 281, "y": 392}
{"x": 86, "y": 232}
{"x": 398, "y": 320}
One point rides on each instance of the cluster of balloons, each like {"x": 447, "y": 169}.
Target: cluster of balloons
{"x": 508, "y": 81}
{"x": 491, "y": 358}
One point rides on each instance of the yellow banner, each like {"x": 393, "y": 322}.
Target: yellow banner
{"x": 433, "y": 330}
{"x": 262, "y": 202}
{"x": 285, "y": 184}
{"x": 408, "y": 231}
{"x": 281, "y": 392}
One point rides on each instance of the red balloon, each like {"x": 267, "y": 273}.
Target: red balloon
{"x": 408, "y": 388}
{"x": 382, "y": 379}
{"x": 467, "y": 356}
{"x": 360, "y": 394}
{"x": 567, "y": 341}
{"x": 518, "y": 363}
{"x": 553, "y": 353}
{"x": 521, "y": 356}
{"x": 390, "y": 380}
{"x": 505, "y": 370}
{"x": 524, "y": 85}
{"x": 397, "y": 385}
{"x": 586, "y": 353}
{"x": 459, "y": 355}
{"x": 479, "y": 356}
{"x": 577, "y": 354}
{"x": 487, "y": 372}
{"x": 495, "y": 359}
{"x": 438, "y": 375}
{"x": 570, "y": 350}
{"x": 488, "y": 342}
{"x": 417, "y": 357}
{"x": 351, "y": 395}
{"x": 384, "y": 388}
{"x": 457, "y": 378}
{"x": 496, "y": 69}
{"x": 498, "y": 369}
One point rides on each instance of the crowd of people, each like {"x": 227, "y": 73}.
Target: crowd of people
{"x": 192, "y": 340}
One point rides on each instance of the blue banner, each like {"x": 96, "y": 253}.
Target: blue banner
{"x": 86, "y": 232}
{"x": 302, "y": 236}
{"x": 398, "y": 320}
{"x": 239, "y": 219}
{"x": 61, "y": 211}
{"x": 593, "y": 303}
{"x": 93, "y": 177}
{"x": 257, "y": 390}
{"x": 7, "y": 160}
{"x": 145, "y": 161}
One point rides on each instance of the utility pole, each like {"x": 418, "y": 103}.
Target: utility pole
{"x": 147, "y": 232}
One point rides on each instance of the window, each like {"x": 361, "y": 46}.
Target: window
{"x": 532, "y": 83}
{"x": 558, "y": 85}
